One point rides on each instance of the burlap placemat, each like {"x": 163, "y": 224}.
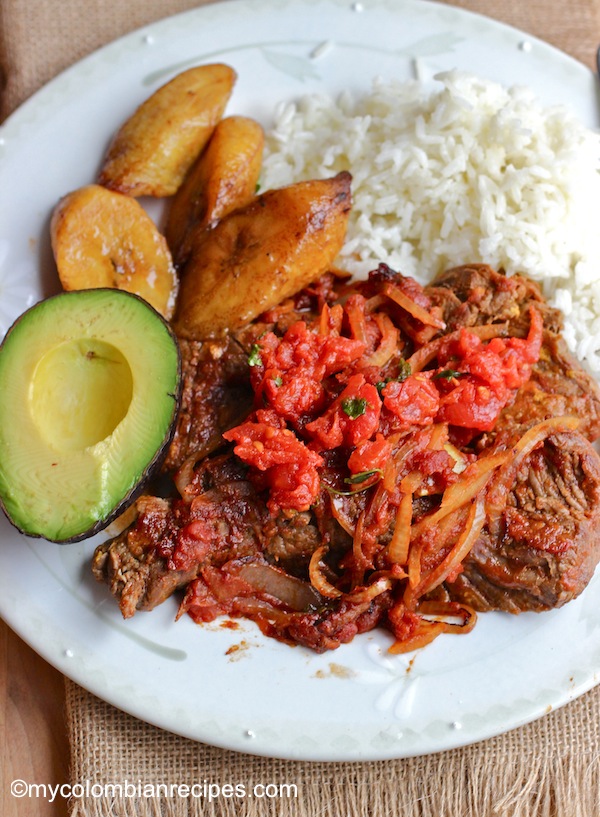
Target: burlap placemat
{"x": 550, "y": 768}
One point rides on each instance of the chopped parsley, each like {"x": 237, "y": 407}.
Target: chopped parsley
{"x": 404, "y": 371}
{"x": 448, "y": 374}
{"x": 277, "y": 381}
{"x": 363, "y": 476}
{"x": 254, "y": 358}
{"x": 354, "y": 407}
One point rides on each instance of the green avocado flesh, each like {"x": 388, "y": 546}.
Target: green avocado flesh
{"x": 89, "y": 383}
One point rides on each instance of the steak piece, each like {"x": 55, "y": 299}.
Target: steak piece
{"x": 135, "y": 572}
{"x": 548, "y": 544}
{"x": 216, "y": 395}
{"x": 219, "y": 541}
{"x": 171, "y": 540}
{"x": 475, "y": 294}
{"x": 290, "y": 541}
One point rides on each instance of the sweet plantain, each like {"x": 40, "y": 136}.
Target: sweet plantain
{"x": 157, "y": 145}
{"x": 105, "y": 239}
{"x": 223, "y": 178}
{"x": 260, "y": 254}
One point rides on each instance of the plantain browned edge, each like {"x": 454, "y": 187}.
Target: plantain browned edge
{"x": 137, "y": 489}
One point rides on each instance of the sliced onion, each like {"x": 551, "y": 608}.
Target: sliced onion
{"x": 359, "y": 557}
{"x": 456, "y": 616}
{"x": 411, "y": 482}
{"x": 291, "y": 591}
{"x": 358, "y": 324}
{"x": 459, "y": 552}
{"x": 259, "y": 609}
{"x": 425, "y": 634}
{"x": 400, "y": 542}
{"x": 370, "y": 592}
{"x": 374, "y": 303}
{"x": 389, "y": 342}
{"x": 471, "y": 482}
{"x": 418, "y": 312}
{"x": 439, "y": 436}
{"x": 437, "y": 618}
{"x": 414, "y": 569}
{"x": 460, "y": 461}
{"x": 185, "y": 474}
{"x": 390, "y": 475}
{"x": 497, "y": 494}
{"x": 330, "y": 322}
{"x": 318, "y": 580}
{"x": 344, "y": 521}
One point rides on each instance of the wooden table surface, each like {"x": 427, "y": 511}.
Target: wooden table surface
{"x": 33, "y": 740}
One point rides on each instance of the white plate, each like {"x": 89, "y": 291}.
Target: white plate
{"x": 264, "y": 697}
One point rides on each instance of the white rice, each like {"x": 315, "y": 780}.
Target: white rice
{"x": 467, "y": 172}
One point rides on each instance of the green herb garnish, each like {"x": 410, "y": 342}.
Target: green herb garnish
{"x": 354, "y": 407}
{"x": 278, "y": 381}
{"x": 362, "y": 476}
{"x": 254, "y": 358}
{"x": 404, "y": 371}
{"x": 448, "y": 374}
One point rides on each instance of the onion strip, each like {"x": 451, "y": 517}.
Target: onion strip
{"x": 343, "y": 521}
{"x": 297, "y": 594}
{"x": 400, "y": 542}
{"x": 459, "y": 552}
{"x": 435, "y": 621}
{"x": 317, "y": 579}
{"x": 470, "y": 483}
{"x": 388, "y": 345}
{"x": 359, "y": 556}
{"x": 413, "y": 308}
{"x": 364, "y": 594}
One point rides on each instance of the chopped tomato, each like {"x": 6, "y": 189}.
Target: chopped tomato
{"x": 371, "y": 455}
{"x": 482, "y": 378}
{"x": 298, "y": 378}
{"x": 413, "y": 402}
{"x": 352, "y": 418}
{"x": 289, "y": 371}
{"x": 289, "y": 466}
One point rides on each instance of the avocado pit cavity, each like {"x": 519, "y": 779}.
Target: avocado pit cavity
{"x": 80, "y": 392}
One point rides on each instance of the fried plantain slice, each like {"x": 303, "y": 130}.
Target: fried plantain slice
{"x": 223, "y": 178}
{"x": 156, "y": 146}
{"x": 105, "y": 239}
{"x": 260, "y": 254}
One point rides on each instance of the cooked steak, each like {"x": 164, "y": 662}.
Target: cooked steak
{"x": 131, "y": 564}
{"x": 171, "y": 540}
{"x": 548, "y": 542}
{"x": 475, "y": 294}
{"x": 216, "y": 395}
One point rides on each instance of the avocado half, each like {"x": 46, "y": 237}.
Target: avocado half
{"x": 90, "y": 386}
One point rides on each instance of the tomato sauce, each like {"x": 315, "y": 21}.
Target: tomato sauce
{"x": 318, "y": 391}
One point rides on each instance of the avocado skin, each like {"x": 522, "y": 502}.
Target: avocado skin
{"x": 152, "y": 466}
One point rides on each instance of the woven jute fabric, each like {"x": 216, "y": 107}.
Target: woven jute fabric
{"x": 550, "y": 768}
